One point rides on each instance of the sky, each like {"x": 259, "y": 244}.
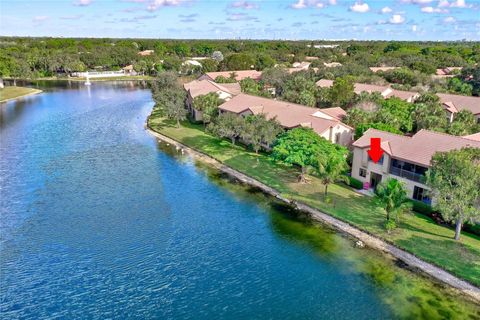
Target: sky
{"x": 238, "y": 19}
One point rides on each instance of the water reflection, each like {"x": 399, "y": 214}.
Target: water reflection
{"x": 410, "y": 296}
{"x": 101, "y": 221}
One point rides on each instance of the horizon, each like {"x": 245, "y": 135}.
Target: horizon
{"x": 289, "y": 20}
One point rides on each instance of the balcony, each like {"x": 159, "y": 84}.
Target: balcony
{"x": 408, "y": 175}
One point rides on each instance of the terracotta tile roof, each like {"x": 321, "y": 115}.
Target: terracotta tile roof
{"x": 459, "y": 102}
{"x": 290, "y": 115}
{"x": 240, "y": 74}
{"x": 335, "y": 112}
{"x": 233, "y": 88}
{"x": 324, "y": 83}
{"x": 201, "y": 87}
{"x": 419, "y": 148}
{"x": 376, "y": 69}
{"x": 404, "y": 95}
{"x": 475, "y": 136}
{"x": 385, "y": 91}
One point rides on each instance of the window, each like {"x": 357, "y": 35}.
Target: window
{"x": 337, "y": 137}
{"x": 421, "y": 194}
{"x": 362, "y": 173}
{"x": 381, "y": 160}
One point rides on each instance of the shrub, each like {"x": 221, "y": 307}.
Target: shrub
{"x": 422, "y": 207}
{"x": 354, "y": 183}
{"x": 390, "y": 225}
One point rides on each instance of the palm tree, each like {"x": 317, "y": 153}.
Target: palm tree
{"x": 393, "y": 197}
{"x": 331, "y": 168}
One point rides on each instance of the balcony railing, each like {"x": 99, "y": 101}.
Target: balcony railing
{"x": 408, "y": 174}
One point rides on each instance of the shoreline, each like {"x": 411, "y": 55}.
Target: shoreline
{"x": 34, "y": 92}
{"x": 100, "y": 79}
{"x": 415, "y": 264}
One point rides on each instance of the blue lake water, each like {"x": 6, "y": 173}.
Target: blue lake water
{"x": 99, "y": 220}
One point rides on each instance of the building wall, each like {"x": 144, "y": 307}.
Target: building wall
{"x": 361, "y": 160}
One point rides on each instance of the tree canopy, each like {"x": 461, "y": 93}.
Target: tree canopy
{"x": 454, "y": 177}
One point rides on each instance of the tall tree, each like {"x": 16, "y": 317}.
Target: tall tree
{"x": 227, "y": 125}
{"x": 455, "y": 179}
{"x": 208, "y": 105}
{"x": 341, "y": 93}
{"x": 300, "y": 147}
{"x": 259, "y": 131}
{"x": 464, "y": 123}
{"x": 332, "y": 164}
{"x": 392, "y": 196}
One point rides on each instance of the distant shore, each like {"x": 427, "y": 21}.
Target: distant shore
{"x": 82, "y": 79}
{"x": 13, "y": 93}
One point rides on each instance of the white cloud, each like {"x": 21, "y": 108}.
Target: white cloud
{"x": 299, "y": 5}
{"x": 433, "y": 10}
{"x": 386, "y": 10}
{"x": 82, "y": 3}
{"x": 453, "y": 4}
{"x": 417, "y": 1}
{"x": 302, "y": 4}
{"x": 397, "y": 19}
{"x": 414, "y": 28}
{"x": 360, "y": 7}
{"x": 443, "y": 4}
{"x": 156, "y": 4}
{"x": 449, "y": 20}
{"x": 244, "y": 5}
{"x": 459, "y": 4}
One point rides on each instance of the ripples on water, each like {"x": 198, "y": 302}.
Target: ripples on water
{"x": 98, "y": 221}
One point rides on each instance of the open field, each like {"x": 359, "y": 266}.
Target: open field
{"x": 417, "y": 234}
{"x": 11, "y": 93}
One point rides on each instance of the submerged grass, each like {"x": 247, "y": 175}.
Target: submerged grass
{"x": 417, "y": 234}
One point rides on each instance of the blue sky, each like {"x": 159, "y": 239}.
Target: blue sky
{"x": 261, "y": 19}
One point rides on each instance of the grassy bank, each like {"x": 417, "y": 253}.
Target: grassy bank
{"x": 416, "y": 234}
{"x": 11, "y": 93}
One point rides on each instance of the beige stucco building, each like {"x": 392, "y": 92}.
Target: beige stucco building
{"x": 325, "y": 122}
{"x": 405, "y": 158}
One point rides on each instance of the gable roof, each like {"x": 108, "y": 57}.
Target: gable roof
{"x": 201, "y": 87}
{"x": 377, "y": 69}
{"x": 289, "y": 115}
{"x": 385, "y": 91}
{"x": 240, "y": 74}
{"x": 419, "y": 148}
{"x": 458, "y": 102}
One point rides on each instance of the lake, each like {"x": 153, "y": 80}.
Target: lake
{"x": 99, "y": 220}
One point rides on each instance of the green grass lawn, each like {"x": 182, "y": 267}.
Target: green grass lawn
{"x": 13, "y": 92}
{"x": 417, "y": 234}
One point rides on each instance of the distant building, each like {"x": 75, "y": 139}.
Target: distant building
{"x": 453, "y": 103}
{"x": 405, "y": 158}
{"x": 382, "y": 69}
{"x": 197, "y": 88}
{"x": 332, "y": 64}
{"x": 385, "y": 91}
{"x": 194, "y": 63}
{"x": 239, "y": 75}
{"x": 325, "y": 122}
{"x": 323, "y": 46}
{"x": 146, "y": 53}
{"x": 447, "y": 72}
